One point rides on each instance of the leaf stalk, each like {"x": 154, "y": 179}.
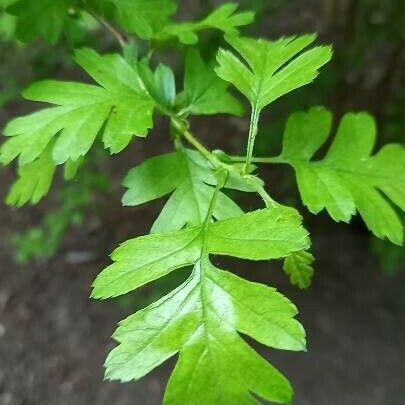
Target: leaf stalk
{"x": 253, "y": 129}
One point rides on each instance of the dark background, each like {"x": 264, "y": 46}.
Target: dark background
{"x": 54, "y": 339}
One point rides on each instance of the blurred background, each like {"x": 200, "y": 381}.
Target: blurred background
{"x": 54, "y": 339}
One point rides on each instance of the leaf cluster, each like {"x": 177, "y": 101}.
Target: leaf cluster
{"x": 204, "y": 319}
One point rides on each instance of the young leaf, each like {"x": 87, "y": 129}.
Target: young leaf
{"x": 161, "y": 84}
{"x": 348, "y": 178}
{"x": 144, "y": 17}
{"x": 272, "y": 69}
{"x": 34, "y": 181}
{"x": 298, "y": 266}
{"x": 208, "y": 95}
{"x": 224, "y": 18}
{"x": 40, "y": 18}
{"x": 189, "y": 179}
{"x": 119, "y": 108}
{"x": 201, "y": 319}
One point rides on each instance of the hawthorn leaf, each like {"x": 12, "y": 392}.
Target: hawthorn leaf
{"x": 118, "y": 108}
{"x": 258, "y": 235}
{"x": 224, "y": 18}
{"x": 202, "y": 318}
{"x": 144, "y": 17}
{"x": 71, "y": 168}
{"x": 349, "y": 177}
{"x": 270, "y": 68}
{"x": 156, "y": 256}
{"x": 40, "y": 19}
{"x": 166, "y": 84}
{"x": 189, "y": 180}
{"x": 207, "y": 96}
{"x": 160, "y": 84}
{"x": 298, "y": 266}
{"x": 34, "y": 181}
{"x": 271, "y": 233}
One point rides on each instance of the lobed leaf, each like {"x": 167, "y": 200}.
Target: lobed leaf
{"x": 298, "y": 266}
{"x": 201, "y": 319}
{"x": 34, "y": 181}
{"x": 144, "y": 17}
{"x": 118, "y": 108}
{"x": 187, "y": 176}
{"x": 224, "y": 18}
{"x": 349, "y": 177}
{"x": 160, "y": 84}
{"x": 40, "y": 19}
{"x": 272, "y": 68}
{"x": 207, "y": 96}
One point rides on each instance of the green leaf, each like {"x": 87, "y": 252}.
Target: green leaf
{"x": 224, "y": 18}
{"x": 71, "y": 168}
{"x": 201, "y": 319}
{"x": 161, "y": 84}
{"x": 208, "y": 95}
{"x": 166, "y": 84}
{"x": 272, "y": 68}
{"x": 298, "y": 266}
{"x": 34, "y": 181}
{"x": 349, "y": 177}
{"x": 40, "y": 19}
{"x": 270, "y": 233}
{"x": 119, "y": 109}
{"x": 144, "y": 17}
{"x": 188, "y": 177}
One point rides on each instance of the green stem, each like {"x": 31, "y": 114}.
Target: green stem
{"x": 221, "y": 180}
{"x": 104, "y": 23}
{"x": 181, "y": 128}
{"x": 253, "y": 128}
{"x": 269, "y": 202}
{"x": 274, "y": 160}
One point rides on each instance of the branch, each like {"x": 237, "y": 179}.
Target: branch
{"x": 103, "y": 22}
{"x": 181, "y": 128}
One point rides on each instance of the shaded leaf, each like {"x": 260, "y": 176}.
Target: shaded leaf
{"x": 188, "y": 178}
{"x": 160, "y": 84}
{"x": 40, "y": 19}
{"x": 144, "y": 17}
{"x": 208, "y": 95}
{"x": 298, "y": 266}
{"x": 34, "y": 181}
{"x": 224, "y": 18}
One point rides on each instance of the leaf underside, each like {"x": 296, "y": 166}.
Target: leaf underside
{"x": 208, "y": 96}
{"x": 202, "y": 319}
{"x": 189, "y": 180}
